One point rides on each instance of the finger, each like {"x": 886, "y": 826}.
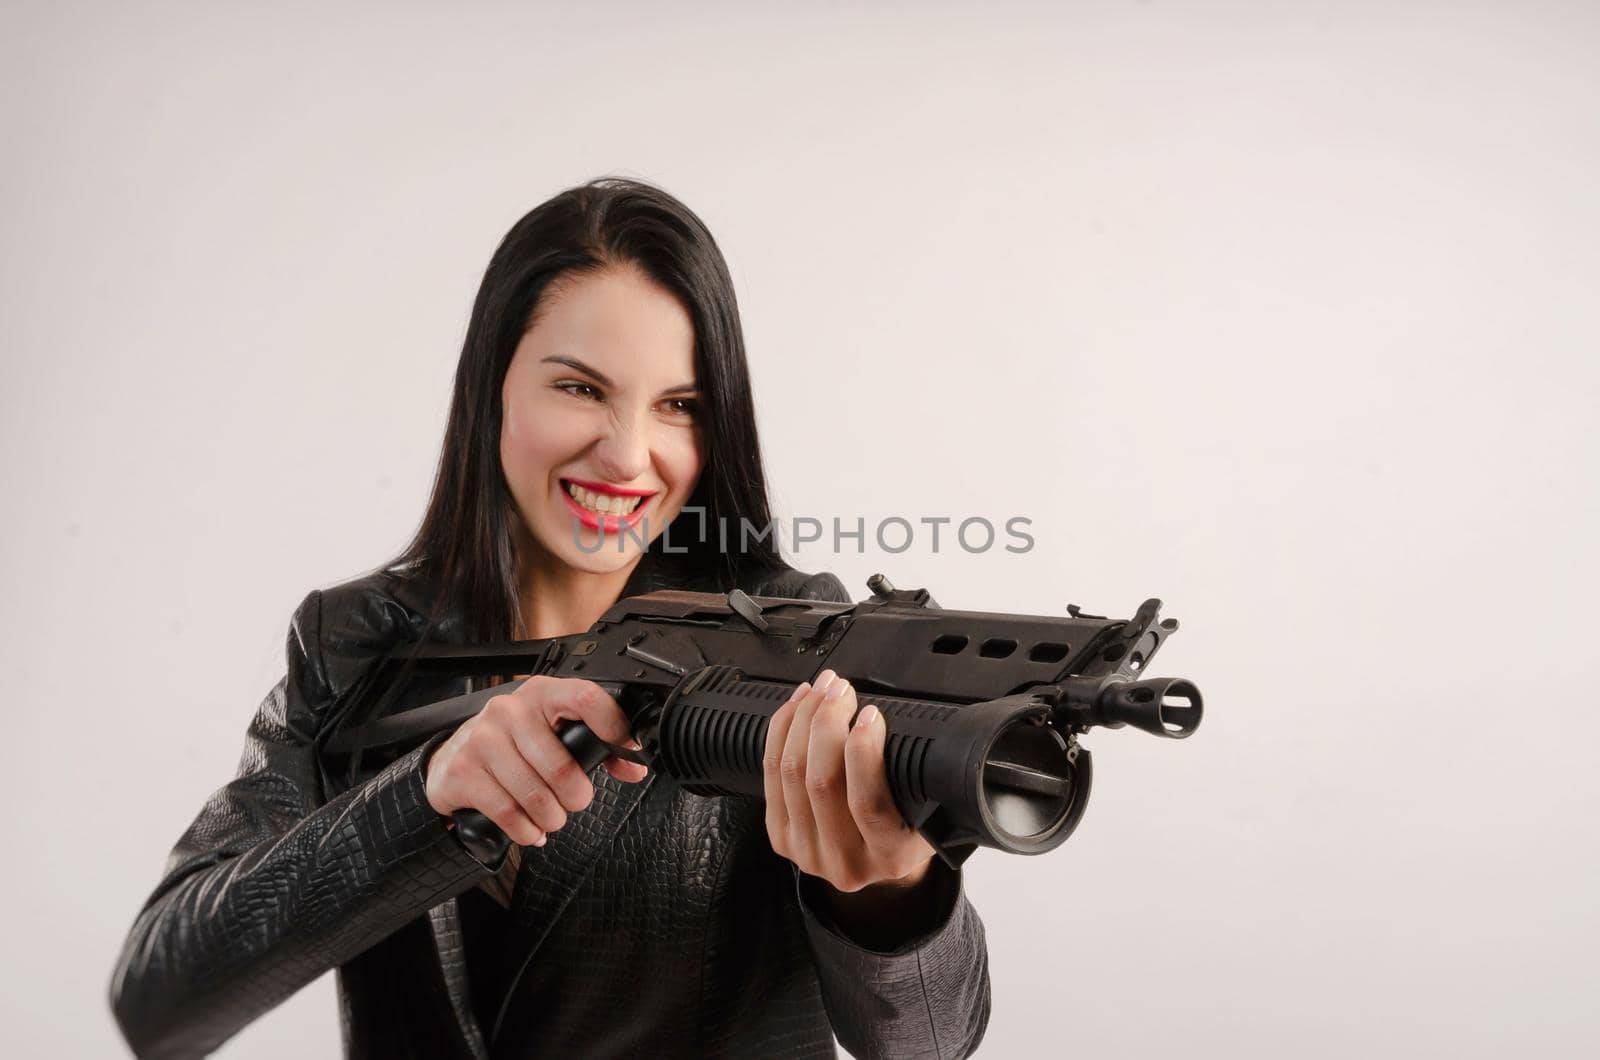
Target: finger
{"x": 561, "y": 701}
{"x": 872, "y": 805}
{"x": 771, "y": 768}
{"x": 624, "y": 770}
{"x": 627, "y": 772}
{"x": 506, "y": 763}
{"x": 839, "y": 841}
{"x": 570, "y": 698}
{"x": 550, "y": 758}
{"x": 492, "y": 800}
{"x": 802, "y": 830}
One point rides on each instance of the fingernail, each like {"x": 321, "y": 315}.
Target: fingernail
{"x": 541, "y": 840}
{"x": 799, "y": 690}
{"x": 839, "y": 687}
{"x": 866, "y": 715}
{"x": 825, "y": 679}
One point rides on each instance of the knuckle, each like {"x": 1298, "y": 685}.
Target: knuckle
{"x": 612, "y": 724}
{"x": 463, "y": 737}
{"x": 822, "y": 786}
{"x": 532, "y": 692}
{"x": 499, "y": 808}
{"x": 865, "y": 807}
{"x": 872, "y": 815}
{"x": 567, "y": 773}
{"x": 458, "y": 773}
{"x": 545, "y": 811}
{"x": 536, "y": 799}
{"x": 440, "y": 769}
{"x": 792, "y": 768}
{"x": 476, "y": 744}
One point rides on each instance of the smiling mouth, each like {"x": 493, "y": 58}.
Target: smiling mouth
{"x": 603, "y": 503}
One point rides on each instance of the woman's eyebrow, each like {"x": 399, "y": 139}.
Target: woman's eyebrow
{"x": 600, "y": 377}
{"x": 578, "y": 366}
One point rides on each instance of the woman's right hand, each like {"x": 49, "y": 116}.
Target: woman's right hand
{"x": 507, "y": 762}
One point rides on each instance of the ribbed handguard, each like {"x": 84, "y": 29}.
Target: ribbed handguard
{"x": 990, "y": 774}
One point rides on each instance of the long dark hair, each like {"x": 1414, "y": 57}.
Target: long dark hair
{"x": 465, "y": 549}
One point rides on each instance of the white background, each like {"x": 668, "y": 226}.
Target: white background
{"x": 1285, "y": 313}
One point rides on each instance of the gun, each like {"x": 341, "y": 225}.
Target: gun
{"x": 983, "y": 710}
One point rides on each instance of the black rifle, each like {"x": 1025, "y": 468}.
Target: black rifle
{"x": 983, "y": 711}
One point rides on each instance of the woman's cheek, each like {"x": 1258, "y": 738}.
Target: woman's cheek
{"x": 540, "y": 438}
{"x": 686, "y": 462}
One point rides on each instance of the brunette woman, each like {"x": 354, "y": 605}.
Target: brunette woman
{"x": 601, "y": 430}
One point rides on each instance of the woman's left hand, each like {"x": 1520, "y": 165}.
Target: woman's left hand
{"x": 828, "y": 804}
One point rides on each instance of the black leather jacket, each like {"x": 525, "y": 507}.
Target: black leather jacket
{"x": 663, "y": 921}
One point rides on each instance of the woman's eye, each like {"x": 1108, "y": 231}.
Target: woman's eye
{"x": 683, "y": 406}
{"x": 582, "y": 390}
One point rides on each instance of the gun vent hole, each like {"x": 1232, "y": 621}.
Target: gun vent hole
{"x": 1047, "y": 652}
{"x": 949, "y": 644}
{"x": 1136, "y": 660}
{"x": 1141, "y": 695}
{"x": 997, "y": 648}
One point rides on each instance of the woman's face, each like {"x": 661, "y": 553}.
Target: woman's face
{"x": 601, "y": 419}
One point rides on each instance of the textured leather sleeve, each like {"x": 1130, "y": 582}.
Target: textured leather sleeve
{"x": 928, "y": 996}
{"x": 271, "y": 886}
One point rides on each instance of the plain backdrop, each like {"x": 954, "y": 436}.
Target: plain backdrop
{"x": 1283, "y": 312}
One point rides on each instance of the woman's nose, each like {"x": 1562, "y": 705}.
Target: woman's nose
{"x": 624, "y": 452}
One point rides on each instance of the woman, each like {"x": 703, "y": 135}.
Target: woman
{"x": 601, "y": 417}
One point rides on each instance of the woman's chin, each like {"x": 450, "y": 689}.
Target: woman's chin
{"x": 606, "y": 561}
{"x": 606, "y": 556}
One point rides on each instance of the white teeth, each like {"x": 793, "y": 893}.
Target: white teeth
{"x": 603, "y": 503}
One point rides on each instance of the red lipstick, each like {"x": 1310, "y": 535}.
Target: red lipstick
{"x": 605, "y": 522}
{"x": 613, "y": 491}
